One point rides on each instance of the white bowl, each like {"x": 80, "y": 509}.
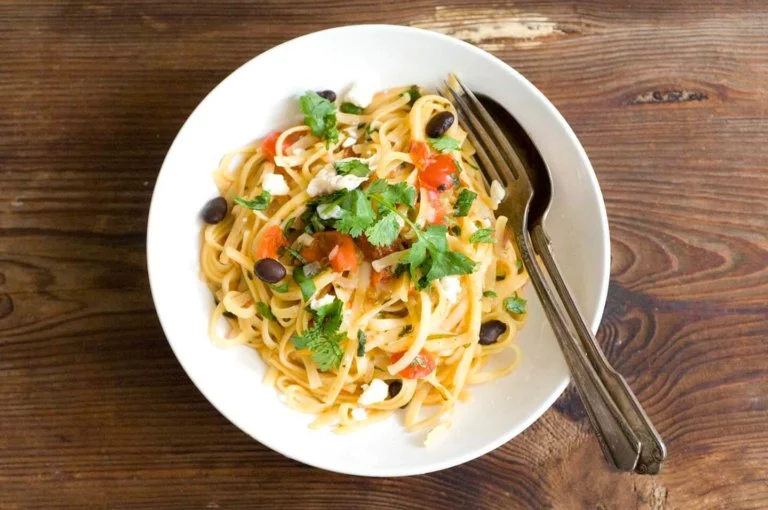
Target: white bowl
{"x": 261, "y": 96}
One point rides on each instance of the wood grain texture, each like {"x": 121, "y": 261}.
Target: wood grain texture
{"x": 671, "y": 103}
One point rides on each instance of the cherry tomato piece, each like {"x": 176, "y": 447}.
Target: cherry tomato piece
{"x": 271, "y": 242}
{"x": 419, "y": 154}
{"x": 439, "y": 174}
{"x": 421, "y": 366}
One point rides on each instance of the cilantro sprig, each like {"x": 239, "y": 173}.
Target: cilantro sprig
{"x": 515, "y": 304}
{"x": 353, "y": 166}
{"x": 464, "y": 202}
{"x": 351, "y": 108}
{"x": 259, "y": 203}
{"x": 320, "y": 116}
{"x": 444, "y": 144}
{"x": 323, "y": 339}
{"x": 483, "y": 235}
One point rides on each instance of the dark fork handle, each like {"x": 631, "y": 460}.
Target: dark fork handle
{"x": 619, "y": 444}
{"x": 653, "y": 451}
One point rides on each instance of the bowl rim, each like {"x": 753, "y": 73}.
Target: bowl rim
{"x": 603, "y": 228}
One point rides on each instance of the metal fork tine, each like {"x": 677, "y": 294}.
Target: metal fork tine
{"x": 514, "y": 164}
{"x": 480, "y": 139}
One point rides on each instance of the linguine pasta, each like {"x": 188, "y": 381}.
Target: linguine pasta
{"x": 396, "y": 284}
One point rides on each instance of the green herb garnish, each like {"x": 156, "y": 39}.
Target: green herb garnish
{"x": 515, "y": 304}
{"x": 323, "y": 339}
{"x": 304, "y": 282}
{"x": 489, "y": 293}
{"x": 361, "y": 339}
{"x": 483, "y": 235}
{"x": 320, "y": 116}
{"x": 351, "y": 108}
{"x": 406, "y": 330}
{"x": 283, "y": 287}
{"x": 464, "y": 202}
{"x": 259, "y": 203}
{"x": 352, "y": 167}
{"x": 413, "y": 94}
{"x": 518, "y": 265}
{"x": 444, "y": 144}
{"x": 265, "y": 312}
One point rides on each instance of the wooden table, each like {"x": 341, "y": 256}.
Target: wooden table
{"x": 670, "y": 100}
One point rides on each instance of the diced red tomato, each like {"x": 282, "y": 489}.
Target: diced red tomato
{"x": 271, "y": 242}
{"x": 325, "y": 244}
{"x": 438, "y": 213}
{"x": 439, "y": 173}
{"x": 419, "y": 154}
{"x": 343, "y": 257}
{"x": 269, "y": 145}
{"x": 421, "y": 366}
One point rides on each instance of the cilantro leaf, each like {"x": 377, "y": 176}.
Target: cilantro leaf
{"x": 399, "y": 193}
{"x": 361, "y": 339}
{"x": 265, "y": 312}
{"x": 351, "y": 108}
{"x": 384, "y": 232}
{"x": 393, "y": 194}
{"x": 444, "y": 144}
{"x": 305, "y": 283}
{"x": 283, "y": 287}
{"x": 352, "y": 166}
{"x": 358, "y": 214}
{"x": 518, "y": 265}
{"x": 319, "y": 115}
{"x": 258, "y": 203}
{"x": 464, "y": 202}
{"x": 413, "y": 94}
{"x": 489, "y": 293}
{"x": 448, "y": 263}
{"x": 483, "y": 235}
{"x": 515, "y": 304}
{"x": 435, "y": 235}
{"x": 323, "y": 339}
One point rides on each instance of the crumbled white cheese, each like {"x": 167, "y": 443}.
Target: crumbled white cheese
{"x": 451, "y": 286}
{"x": 374, "y": 393}
{"x": 327, "y": 181}
{"x": 305, "y": 239}
{"x": 361, "y": 94}
{"x": 329, "y": 211}
{"x": 312, "y": 269}
{"x": 497, "y": 193}
{"x": 359, "y": 414}
{"x": 436, "y": 434}
{"x": 275, "y": 184}
{"x": 316, "y": 304}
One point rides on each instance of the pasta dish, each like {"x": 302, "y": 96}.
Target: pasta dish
{"x": 359, "y": 253}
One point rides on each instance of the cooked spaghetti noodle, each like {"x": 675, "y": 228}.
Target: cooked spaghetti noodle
{"x": 391, "y": 262}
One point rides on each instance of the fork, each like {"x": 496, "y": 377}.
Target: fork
{"x": 625, "y": 434}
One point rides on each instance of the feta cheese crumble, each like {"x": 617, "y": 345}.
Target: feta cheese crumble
{"x": 327, "y": 181}
{"x": 374, "y": 393}
{"x": 275, "y": 184}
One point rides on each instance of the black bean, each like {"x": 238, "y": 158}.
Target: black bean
{"x": 269, "y": 270}
{"x": 439, "y": 124}
{"x": 394, "y": 388}
{"x": 491, "y": 331}
{"x": 328, "y": 94}
{"x": 215, "y": 210}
